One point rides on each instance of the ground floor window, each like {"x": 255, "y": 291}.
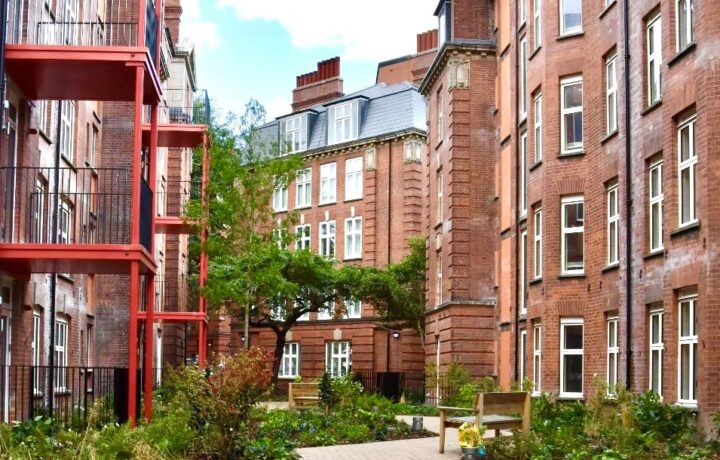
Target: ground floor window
{"x": 537, "y": 359}
{"x": 337, "y": 358}
{"x": 523, "y": 345}
{"x": 61, "y": 341}
{"x": 290, "y": 364}
{"x": 613, "y": 350}
{"x": 657, "y": 347}
{"x": 687, "y": 346}
{"x": 571, "y": 357}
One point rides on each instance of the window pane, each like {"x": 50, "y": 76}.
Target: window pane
{"x": 685, "y": 143}
{"x": 573, "y": 373}
{"x": 572, "y": 13}
{"x": 612, "y": 369}
{"x": 655, "y": 371}
{"x": 686, "y": 203}
{"x": 573, "y": 337}
{"x": 685, "y": 329}
{"x": 574, "y": 251}
{"x": 574, "y": 215}
{"x": 685, "y": 371}
{"x": 573, "y": 95}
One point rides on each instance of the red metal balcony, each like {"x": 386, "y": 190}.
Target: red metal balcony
{"x": 93, "y": 224}
{"x": 174, "y": 302}
{"x": 172, "y": 199}
{"x": 187, "y": 116}
{"x": 88, "y": 53}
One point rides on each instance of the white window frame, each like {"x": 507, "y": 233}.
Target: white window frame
{"x": 38, "y": 210}
{"x": 36, "y": 351}
{"x": 42, "y": 108}
{"x": 564, "y": 322}
{"x": 290, "y": 360}
{"x": 65, "y": 223}
{"x": 522, "y": 275}
{"x": 691, "y": 341}
{"x": 613, "y": 225}
{"x": 567, "y": 201}
{"x": 689, "y": 26}
{"x": 537, "y": 359}
{"x": 328, "y": 183}
{"x": 327, "y": 312}
{"x": 303, "y": 234}
{"x": 60, "y": 349}
{"x": 523, "y": 175}
{"x": 690, "y": 165}
{"x": 280, "y": 197}
{"x": 523, "y": 79}
{"x": 656, "y": 205}
{"x": 293, "y": 135}
{"x": 522, "y": 357}
{"x": 537, "y": 24}
{"x": 564, "y": 29}
{"x": 657, "y": 350}
{"x": 613, "y": 354}
{"x": 522, "y": 13}
{"x": 92, "y": 148}
{"x": 303, "y": 189}
{"x": 654, "y": 59}
{"x": 67, "y": 130}
{"x": 338, "y": 358}
{"x": 353, "y": 238}
{"x": 440, "y": 99}
{"x": 611, "y": 100}
{"x": 342, "y": 122}
{"x": 440, "y": 194}
{"x": 575, "y": 147}
{"x": 354, "y": 178}
{"x": 537, "y": 244}
{"x": 538, "y": 129}
{"x": 439, "y": 280}
{"x": 70, "y": 22}
{"x": 353, "y": 308}
{"x": 326, "y": 234}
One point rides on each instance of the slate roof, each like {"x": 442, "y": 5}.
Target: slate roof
{"x": 388, "y": 109}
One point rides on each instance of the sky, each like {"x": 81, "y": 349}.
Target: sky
{"x": 254, "y": 49}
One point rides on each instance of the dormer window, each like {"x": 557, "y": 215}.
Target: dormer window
{"x": 294, "y": 134}
{"x": 343, "y": 122}
{"x": 444, "y": 24}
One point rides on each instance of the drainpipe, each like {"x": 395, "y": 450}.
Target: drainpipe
{"x": 3, "y": 35}
{"x": 629, "y": 201}
{"x": 389, "y": 214}
{"x": 53, "y": 277}
{"x": 517, "y": 195}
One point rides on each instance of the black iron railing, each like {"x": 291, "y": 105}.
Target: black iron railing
{"x": 184, "y": 107}
{"x": 94, "y": 205}
{"x": 173, "y": 293}
{"x": 394, "y": 385}
{"x": 173, "y": 196}
{"x": 25, "y": 393}
{"x": 96, "y": 23}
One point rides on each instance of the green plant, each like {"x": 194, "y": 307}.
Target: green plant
{"x": 328, "y": 399}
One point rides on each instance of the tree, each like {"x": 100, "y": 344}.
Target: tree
{"x": 251, "y": 273}
{"x": 397, "y": 291}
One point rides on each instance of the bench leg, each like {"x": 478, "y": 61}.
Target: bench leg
{"x": 442, "y": 439}
{"x": 497, "y": 433}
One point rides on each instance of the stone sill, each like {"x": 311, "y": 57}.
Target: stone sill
{"x": 685, "y": 229}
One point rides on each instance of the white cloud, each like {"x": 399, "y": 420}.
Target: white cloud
{"x": 276, "y": 107}
{"x": 372, "y": 30}
{"x": 203, "y": 34}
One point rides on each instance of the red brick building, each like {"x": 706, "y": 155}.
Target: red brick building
{"x": 359, "y": 199}
{"x": 94, "y": 139}
{"x": 570, "y": 195}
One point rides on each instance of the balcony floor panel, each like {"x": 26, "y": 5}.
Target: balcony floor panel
{"x": 80, "y": 73}
{"x": 175, "y": 226}
{"x": 104, "y": 259}
{"x": 176, "y": 135}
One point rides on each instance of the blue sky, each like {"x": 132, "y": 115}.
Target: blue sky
{"x": 255, "y": 48}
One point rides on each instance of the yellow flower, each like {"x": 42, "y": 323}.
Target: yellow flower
{"x": 470, "y": 435}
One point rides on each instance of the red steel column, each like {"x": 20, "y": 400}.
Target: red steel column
{"x": 142, "y": 11}
{"x": 202, "y": 325}
{"x": 132, "y": 345}
{"x": 150, "y": 312}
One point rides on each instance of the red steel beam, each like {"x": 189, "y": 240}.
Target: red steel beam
{"x": 132, "y": 344}
{"x": 175, "y": 316}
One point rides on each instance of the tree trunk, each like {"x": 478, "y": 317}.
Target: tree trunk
{"x": 246, "y": 328}
{"x": 280, "y": 338}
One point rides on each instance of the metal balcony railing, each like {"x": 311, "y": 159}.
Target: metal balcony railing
{"x": 173, "y": 196}
{"x": 81, "y": 23}
{"x": 93, "y": 206}
{"x": 172, "y": 293}
{"x": 184, "y": 107}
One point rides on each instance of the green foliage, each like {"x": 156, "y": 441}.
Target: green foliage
{"x": 328, "y": 399}
{"x": 397, "y": 291}
{"x": 402, "y": 408}
{"x": 626, "y": 426}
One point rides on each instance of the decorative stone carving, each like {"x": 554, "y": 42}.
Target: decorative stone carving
{"x": 459, "y": 73}
{"x": 413, "y": 151}
{"x": 337, "y": 334}
{"x": 371, "y": 159}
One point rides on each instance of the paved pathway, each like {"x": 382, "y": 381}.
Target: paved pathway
{"x": 406, "y": 449}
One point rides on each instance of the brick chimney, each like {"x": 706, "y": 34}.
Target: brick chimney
{"x": 173, "y": 11}
{"x": 427, "y": 41}
{"x": 319, "y": 86}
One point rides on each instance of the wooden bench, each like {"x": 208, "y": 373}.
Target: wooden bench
{"x": 496, "y": 411}
{"x": 303, "y": 395}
